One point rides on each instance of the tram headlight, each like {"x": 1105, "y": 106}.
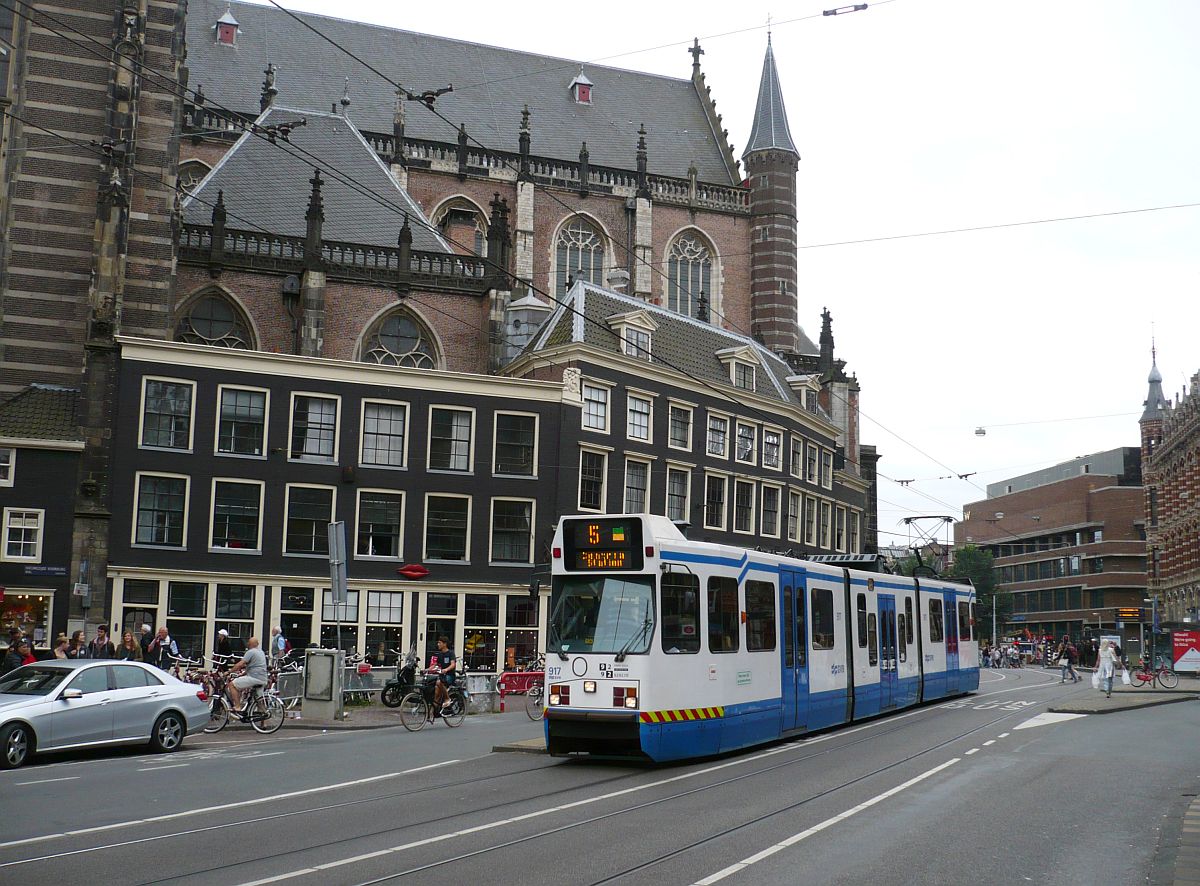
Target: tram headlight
{"x": 625, "y": 697}
{"x": 589, "y": 685}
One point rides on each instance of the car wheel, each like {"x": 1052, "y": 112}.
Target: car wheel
{"x": 16, "y": 745}
{"x": 168, "y": 733}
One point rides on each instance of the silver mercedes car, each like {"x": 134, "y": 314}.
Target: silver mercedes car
{"x": 61, "y": 705}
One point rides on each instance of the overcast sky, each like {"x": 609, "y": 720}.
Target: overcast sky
{"x": 928, "y": 115}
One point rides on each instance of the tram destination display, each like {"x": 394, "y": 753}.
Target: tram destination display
{"x": 603, "y": 544}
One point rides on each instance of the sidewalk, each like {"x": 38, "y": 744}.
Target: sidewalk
{"x": 1124, "y": 698}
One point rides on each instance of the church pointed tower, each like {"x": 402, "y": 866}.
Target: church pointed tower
{"x": 1151, "y": 424}
{"x": 771, "y": 162}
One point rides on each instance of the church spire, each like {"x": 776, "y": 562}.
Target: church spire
{"x": 770, "y": 129}
{"x": 1155, "y": 403}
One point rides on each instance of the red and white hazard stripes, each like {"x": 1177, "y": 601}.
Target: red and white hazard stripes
{"x": 682, "y": 715}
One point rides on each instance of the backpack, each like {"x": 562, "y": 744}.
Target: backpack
{"x": 287, "y": 645}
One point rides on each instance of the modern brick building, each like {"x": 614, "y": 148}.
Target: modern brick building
{"x": 1069, "y": 545}
{"x": 1171, "y": 456}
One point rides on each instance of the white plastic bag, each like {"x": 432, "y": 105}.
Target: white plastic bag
{"x": 1096, "y": 679}
{"x": 1125, "y": 676}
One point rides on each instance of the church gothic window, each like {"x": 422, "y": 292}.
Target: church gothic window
{"x": 398, "y": 339}
{"x": 689, "y": 273}
{"x": 463, "y": 224}
{"x": 212, "y": 319}
{"x": 191, "y": 173}
{"x": 579, "y": 255}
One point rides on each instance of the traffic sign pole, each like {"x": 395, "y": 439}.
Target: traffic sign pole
{"x": 337, "y": 573}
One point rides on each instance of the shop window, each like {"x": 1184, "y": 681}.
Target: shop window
{"x": 521, "y": 611}
{"x": 441, "y": 604}
{"x": 385, "y": 606}
{"x": 381, "y": 641}
{"x": 347, "y": 611}
{"x": 723, "y": 615}
{"x": 482, "y": 610}
{"x": 187, "y": 599}
{"x": 680, "y": 613}
{"x": 301, "y": 599}
{"x": 235, "y": 601}
{"x": 481, "y": 648}
{"x": 140, "y": 590}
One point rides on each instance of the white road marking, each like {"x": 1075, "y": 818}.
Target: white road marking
{"x": 817, "y": 828}
{"x": 972, "y": 751}
{"x": 1002, "y": 735}
{"x": 989, "y": 742}
{"x": 209, "y": 809}
{"x": 160, "y": 768}
{"x": 48, "y": 780}
{"x": 1047, "y": 719}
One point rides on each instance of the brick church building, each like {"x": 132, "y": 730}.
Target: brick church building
{"x": 277, "y": 288}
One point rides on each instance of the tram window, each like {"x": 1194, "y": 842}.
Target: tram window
{"x": 872, "y": 641}
{"x": 901, "y": 621}
{"x": 908, "y": 620}
{"x": 964, "y": 621}
{"x": 822, "y": 618}
{"x": 789, "y": 631}
{"x": 862, "y": 620}
{"x": 680, "y": 613}
{"x": 935, "y": 621}
{"x": 801, "y": 653}
{"x": 723, "y": 615}
{"x": 760, "y": 616}
{"x": 974, "y": 623}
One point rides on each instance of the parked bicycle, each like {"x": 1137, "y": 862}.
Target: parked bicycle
{"x": 419, "y": 707}
{"x": 1159, "y": 675}
{"x": 534, "y": 700}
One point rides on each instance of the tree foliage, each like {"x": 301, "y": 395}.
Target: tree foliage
{"x": 978, "y": 566}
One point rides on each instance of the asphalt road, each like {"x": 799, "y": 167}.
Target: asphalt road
{"x": 986, "y": 789}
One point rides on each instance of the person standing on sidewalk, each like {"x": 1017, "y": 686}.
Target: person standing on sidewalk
{"x": 1107, "y": 665}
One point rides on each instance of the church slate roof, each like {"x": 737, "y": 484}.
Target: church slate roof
{"x": 770, "y": 128}
{"x": 681, "y": 341}
{"x": 268, "y": 185}
{"x": 491, "y": 85}
{"x": 41, "y": 412}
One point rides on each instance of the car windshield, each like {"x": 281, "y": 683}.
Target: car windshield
{"x": 32, "y": 680}
{"x": 605, "y": 614}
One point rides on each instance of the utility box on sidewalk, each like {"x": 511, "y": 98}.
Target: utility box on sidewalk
{"x": 484, "y": 697}
{"x": 323, "y": 677}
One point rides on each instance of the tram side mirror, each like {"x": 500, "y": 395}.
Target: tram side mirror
{"x": 535, "y": 587}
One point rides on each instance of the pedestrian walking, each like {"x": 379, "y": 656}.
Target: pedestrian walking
{"x": 1107, "y": 666}
{"x": 101, "y": 646}
{"x": 279, "y": 643}
{"x": 1066, "y": 660}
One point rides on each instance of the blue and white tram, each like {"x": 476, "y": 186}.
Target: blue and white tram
{"x": 664, "y": 648}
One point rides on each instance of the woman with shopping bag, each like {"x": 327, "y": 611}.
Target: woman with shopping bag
{"x": 1106, "y": 666}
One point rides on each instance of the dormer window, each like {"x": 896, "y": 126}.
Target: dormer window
{"x": 227, "y": 28}
{"x": 742, "y": 365}
{"x": 743, "y": 376}
{"x": 635, "y": 330}
{"x": 581, "y": 89}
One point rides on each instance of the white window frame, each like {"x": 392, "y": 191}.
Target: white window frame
{"x": 733, "y": 374}
{"x": 839, "y": 512}
{"x": 780, "y": 514}
{"x": 492, "y": 529}
{"x": 815, "y": 477}
{"x": 792, "y": 494}
{"x": 337, "y": 430}
{"x": 625, "y": 486}
{"x": 753, "y": 506}
{"x": 603, "y": 453}
{"x": 810, "y": 538}
{"x": 362, "y": 433}
{"x": 853, "y": 538}
{"x": 212, "y": 514}
{"x": 826, "y": 475}
{"x": 287, "y": 504}
{"x": 796, "y": 445}
{"x": 41, "y": 534}
{"x": 720, "y": 416}
{"x": 266, "y": 444}
{"x": 11, "y": 477}
{"x": 690, "y": 409}
{"x": 632, "y": 348}
{"x": 649, "y": 401}
{"x": 466, "y": 561}
{"x": 825, "y": 519}
{"x": 537, "y": 439}
{"x": 187, "y": 509}
{"x": 191, "y": 414}
{"x": 596, "y": 386}
{"x": 778, "y": 466}
{"x": 753, "y": 460}
{"x": 470, "y": 445}
{"x": 725, "y": 478}
{"x": 352, "y": 543}
{"x": 687, "y": 491}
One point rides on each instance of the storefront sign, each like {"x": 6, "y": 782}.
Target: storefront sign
{"x": 46, "y": 570}
{"x": 1185, "y": 646}
{"x": 80, "y": 590}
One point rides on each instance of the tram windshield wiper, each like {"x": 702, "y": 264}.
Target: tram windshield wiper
{"x": 647, "y": 624}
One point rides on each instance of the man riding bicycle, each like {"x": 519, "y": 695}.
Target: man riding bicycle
{"x": 254, "y": 663}
{"x": 444, "y": 665}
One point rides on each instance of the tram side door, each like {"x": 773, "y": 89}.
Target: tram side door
{"x": 794, "y": 660}
{"x": 951, "y": 623}
{"x": 888, "y": 674}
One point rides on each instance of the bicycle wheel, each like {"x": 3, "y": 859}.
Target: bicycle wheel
{"x": 1167, "y": 678}
{"x": 1142, "y": 677}
{"x": 534, "y": 706}
{"x": 457, "y": 712}
{"x": 218, "y": 715}
{"x": 391, "y": 696}
{"x": 414, "y": 712}
{"x": 268, "y": 714}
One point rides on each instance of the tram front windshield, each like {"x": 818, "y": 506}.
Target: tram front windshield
{"x": 604, "y": 614}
